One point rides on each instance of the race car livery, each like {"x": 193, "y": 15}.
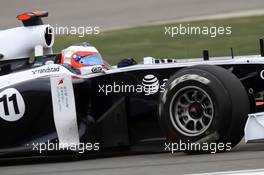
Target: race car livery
{"x": 159, "y": 101}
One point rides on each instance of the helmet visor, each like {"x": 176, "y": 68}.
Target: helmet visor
{"x": 89, "y": 59}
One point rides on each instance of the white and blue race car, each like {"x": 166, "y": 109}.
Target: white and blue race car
{"x": 44, "y": 101}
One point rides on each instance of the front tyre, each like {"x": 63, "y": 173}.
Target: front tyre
{"x": 204, "y": 105}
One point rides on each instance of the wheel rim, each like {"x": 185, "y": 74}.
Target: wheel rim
{"x": 191, "y": 111}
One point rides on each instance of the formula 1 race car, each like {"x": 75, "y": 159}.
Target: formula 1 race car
{"x": 57, "y": 102}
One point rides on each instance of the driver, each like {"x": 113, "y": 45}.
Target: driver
{"x": 84, "y": 58}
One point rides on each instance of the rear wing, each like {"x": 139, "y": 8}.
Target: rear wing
{"x": 32, "y": 18}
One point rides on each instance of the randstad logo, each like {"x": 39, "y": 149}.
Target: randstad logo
{"x": 150, "y": 85}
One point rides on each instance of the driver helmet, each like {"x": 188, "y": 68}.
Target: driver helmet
{"x": 83, "y": 57}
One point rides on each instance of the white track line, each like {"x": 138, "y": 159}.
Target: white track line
{"x": 240, "y": 172}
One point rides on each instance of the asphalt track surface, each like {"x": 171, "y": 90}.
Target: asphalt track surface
{"x": 113, "y": 14}
{"x": 244, "y": 157}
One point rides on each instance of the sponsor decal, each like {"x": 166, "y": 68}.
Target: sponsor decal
{"x": 149, "y": 85}
{"x": 188, "y": 77}
{"x": 12, "y": 105}
{"x": 96, "y": 69}
{"x": 64, "y": 111}
{"x": 46, "y": 70}
{"x": 61, "y": 81}
{"x": 181, "y": 79}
